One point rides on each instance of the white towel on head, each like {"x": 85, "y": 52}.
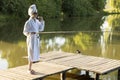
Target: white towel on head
{"x": 32, "y": 9}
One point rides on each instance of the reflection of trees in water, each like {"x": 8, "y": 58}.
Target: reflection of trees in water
{"x": 112, "y": 6}
{"x": 13, "y": 53}
{"x": 11, "y": 29}
{"x": 114, "y": 21}
{"x": 110, "y": 76}
{"x": 106, "y": 35}
{"x": 87, "y": 42}
{"x": 81, "y": 24}
{"x": 84, "y": 41}
{"x": 108, "y": 28}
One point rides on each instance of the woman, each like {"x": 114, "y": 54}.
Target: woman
{"x": 31, "y": 30}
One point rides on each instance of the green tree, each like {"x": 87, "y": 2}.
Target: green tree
{"x": 47, "y": 8}
{"x": 98, "y": 4}
{"x": 82, "y": 7}
{"x": 112, "y": 6}
{"x": 53, "y": 8}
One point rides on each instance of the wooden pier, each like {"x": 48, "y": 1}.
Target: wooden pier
{"x": 98, "y": 65}
{"x": 61, "y": 62}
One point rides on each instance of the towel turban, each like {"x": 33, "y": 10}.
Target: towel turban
{"x": 32, "y": 9}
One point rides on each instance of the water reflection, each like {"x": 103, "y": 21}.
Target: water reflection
{"x": 106, "y": 35}
{"x": 3, "y": 62}
{"x": 57, "y": 42}
{"x": 93, "y": 36}
{"x": 12, "y": 54}
{"x": 109, "y": 30}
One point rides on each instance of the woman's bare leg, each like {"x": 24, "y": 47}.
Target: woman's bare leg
{"x": 31, "y": 71}
{"x": 29, "y": 65}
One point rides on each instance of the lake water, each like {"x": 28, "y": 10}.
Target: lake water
{"x": 96, "y": 36}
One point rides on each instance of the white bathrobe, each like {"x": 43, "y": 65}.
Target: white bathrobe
{"x": 33, "y": 47}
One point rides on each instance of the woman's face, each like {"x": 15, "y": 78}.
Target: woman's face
{"x": 34, "y": 15}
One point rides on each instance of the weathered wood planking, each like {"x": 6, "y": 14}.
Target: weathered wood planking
{"x": 89, "y": 63}
{"x": 54, "y": 55}
{"x": 42, "y": 69}
{"x": 4, "y": 78}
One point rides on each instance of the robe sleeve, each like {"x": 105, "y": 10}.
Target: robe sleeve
{"x": 26, "y": 28}
{"x": 41, "y": 25}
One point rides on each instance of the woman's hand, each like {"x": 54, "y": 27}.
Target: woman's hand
{"x": 40, "y": 18}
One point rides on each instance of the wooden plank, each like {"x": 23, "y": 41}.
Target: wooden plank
{"x": 42, "y": 69}
{"x": 4, "y": 78}
{"x": 103, "y": 64}
{"x": 65, "y": 59}
{"x": 19, "y": 74}
{"x": 26, "y": 75}
{"x": 106, "y": 67}
{"x": 89, "y": 63}
{"x": 77, "y": 61}
{"x": 11, "y": 76}
{"x": 50, "y": 68}
{"x": 96, "y": 67}
{"x": 56, "y": 55}
{"x": 83, "y": 59}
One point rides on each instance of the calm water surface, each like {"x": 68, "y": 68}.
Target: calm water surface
{"x": 96, "y": 36}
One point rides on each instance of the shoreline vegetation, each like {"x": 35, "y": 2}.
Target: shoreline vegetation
{"x": 16, "y": 9}
{"x": 57, "y": 8}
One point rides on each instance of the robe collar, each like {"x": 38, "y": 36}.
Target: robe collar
{"x": 32, "y": 19}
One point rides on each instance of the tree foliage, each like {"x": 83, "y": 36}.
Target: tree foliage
{"x": 82, "y": 7}
{"x": 52, "y": 8}
{"x": 113, "y": 6}
{"x": 98, "y": 4}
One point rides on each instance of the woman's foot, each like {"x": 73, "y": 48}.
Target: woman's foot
{"x": 31, "y": 71}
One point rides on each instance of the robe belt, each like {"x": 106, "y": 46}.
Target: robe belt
{"x": 34, "y": 33}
